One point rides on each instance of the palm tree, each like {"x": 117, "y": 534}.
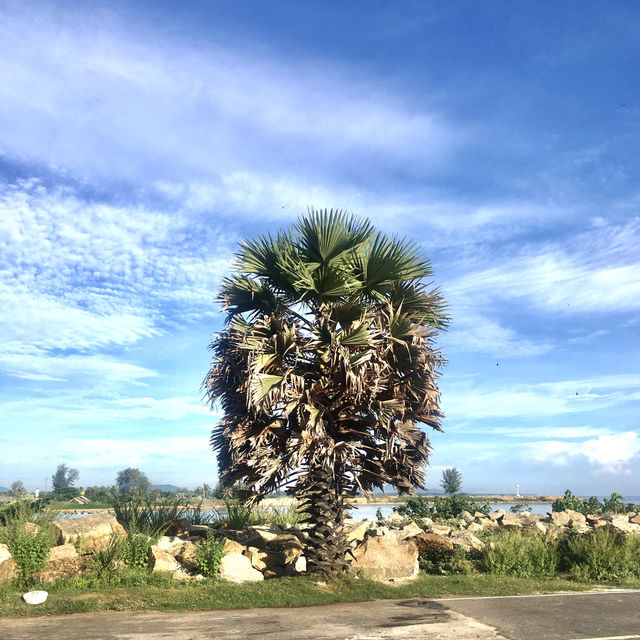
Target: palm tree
{"x": 325, "y": 368}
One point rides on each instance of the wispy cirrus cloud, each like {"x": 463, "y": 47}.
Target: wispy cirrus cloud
{"x": 541, "y": 399}
{"x": 82, "y": 277}
{"x": 596, "y": 272}
{"x": 149, "y": 104}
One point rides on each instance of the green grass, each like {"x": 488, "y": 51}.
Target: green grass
{"x": 136, "y": 591}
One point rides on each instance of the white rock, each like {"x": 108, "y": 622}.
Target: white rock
{"x": 300, "y": 565}
{"x": 440, "y": 529}
{"x": 237, "y": 568}
{"x": 35, "y": 597}
{"x": 7, "y": 564}
{"x": 160, "y": 560}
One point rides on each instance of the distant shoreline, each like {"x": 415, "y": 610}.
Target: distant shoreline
{"x": 375, "y": 501}
{"x": 493, "y": 498}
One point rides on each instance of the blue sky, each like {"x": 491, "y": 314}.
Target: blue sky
{"x": 139, "y": 142}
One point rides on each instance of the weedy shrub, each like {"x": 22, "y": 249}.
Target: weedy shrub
{"x": 28, "y": 534}
{"x": 20, "y": 509}
{"x": 442, "y": 507}
{"x": 197, "y": 515}
{"x": 133, "y": 549}
{"x": 519, "y": 508}
{"x": 148, "y": 513}
{"x": 283, "y": 515}
{"x": 238, "y": 516}
{"x": 209, "y": 554}
{"x": 522, "y": 554}
{"x": 604, "y": 554}
{"x": 103, "y": 562}
{"x": 445, "y": 563}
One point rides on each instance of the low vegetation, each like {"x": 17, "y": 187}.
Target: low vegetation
{"x": 613, "y": 504}
{"x": 26, "y": 530}
{"x": 441, "y": 507}
{"x": 118, "y": 577}
{"x": 137, "y": 590}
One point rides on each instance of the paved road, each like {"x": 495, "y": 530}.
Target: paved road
{"x": 556, "y": 616}
{"x": 606, "y": 615}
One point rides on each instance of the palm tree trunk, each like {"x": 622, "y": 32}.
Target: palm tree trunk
{"x": 322, "y": 502}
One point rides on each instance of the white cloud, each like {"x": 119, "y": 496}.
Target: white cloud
{"x": 79, "y": 276}
{"x": 82, "y": 369}
{"x": 542, "y": 432}
{"x": 90, "y": 453}
{"x": 110, "y": 103}
{"x": 599, "y": 273}
{"x": 465, "y": 402}
{"x": 610, "y": 453}
{"x": 472, "y": 331}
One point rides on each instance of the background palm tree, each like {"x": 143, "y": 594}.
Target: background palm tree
{"x": 325, "y": 368}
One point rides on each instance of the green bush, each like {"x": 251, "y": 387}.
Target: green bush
{"x": 28, "y": 534}
{"x": 603, "y": 554}
{"x": 209, "y": 554}
{"x": 519, "y": 508}
{"x": 133, "y": 549}
{"x": 445, "y": 563}
{"x": 522, "y": 554}
{"x": 444, "y": 508}
{"x": 20, "y": 509}
{"x": 613, "y": 504}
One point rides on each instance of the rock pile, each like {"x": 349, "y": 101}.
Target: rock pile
{"x": 382, "y": 551}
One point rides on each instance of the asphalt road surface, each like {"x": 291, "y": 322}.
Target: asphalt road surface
{"x": 611, "y": 615}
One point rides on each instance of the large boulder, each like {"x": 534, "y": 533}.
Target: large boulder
{"x": 266, "y": 532}
{"x": 237, "y": 568}
{"x": 467, "y": 541}
{"x": 620, "y": 522}
{"x": 434, "y": 544}
{"x": 357, "y": 531}
{"x": 90, "y": 533}
{"x": 440, "y": 529}
{"x": 256, "y": 556}
{"x": 576, "y": 518}
{"x": 233, "y": 545}
{"x": 184, "y": 551}
{"x": 161, "y": 561}
{"x": 386, "y": 558}
{"x": 178, "y": 527}
{"x": 410, "y": 531}
{"x": 510, "y": 521}
{"x": 560, "y": 518}
{"x": 62, "y": 552}
{"x": 467, "y": 517}
{"x": 62, "y": 560}
{"x": 7, "y": 564}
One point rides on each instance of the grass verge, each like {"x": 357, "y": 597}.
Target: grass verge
{"x": 163, "y": 594}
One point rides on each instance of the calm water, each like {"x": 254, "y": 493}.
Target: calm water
{"x": 368, "y": 511}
